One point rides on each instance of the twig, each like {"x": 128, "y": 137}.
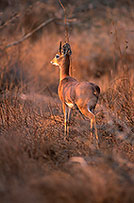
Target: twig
{"x": 65, "y": 21}
{"x": 66, "y": 31}
{"x": 16, "y": 15}
{"x": 31, "y": 33}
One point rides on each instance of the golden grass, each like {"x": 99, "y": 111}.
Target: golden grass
{"x": 36, "y": 163}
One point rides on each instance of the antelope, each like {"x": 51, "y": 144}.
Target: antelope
{"x": 82, "y": 95}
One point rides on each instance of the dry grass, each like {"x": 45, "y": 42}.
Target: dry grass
{"x": 36, "y": 163}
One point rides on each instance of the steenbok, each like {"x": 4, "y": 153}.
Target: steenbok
{"x": 82, "y": 95}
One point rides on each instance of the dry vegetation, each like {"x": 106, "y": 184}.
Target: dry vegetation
{"x": 36, "y": 163}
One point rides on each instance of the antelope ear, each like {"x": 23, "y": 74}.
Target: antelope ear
{"x": 70, "y": 52}
{"x": 60, "y": 47}
{"x": 67, "y": 49}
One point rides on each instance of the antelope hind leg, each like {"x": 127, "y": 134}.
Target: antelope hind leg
{"x": 86, "y": 111}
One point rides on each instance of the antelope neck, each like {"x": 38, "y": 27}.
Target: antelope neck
{"x": 64, "y": 67}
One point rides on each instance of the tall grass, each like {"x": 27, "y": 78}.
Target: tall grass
{"x": 36, "y": 163}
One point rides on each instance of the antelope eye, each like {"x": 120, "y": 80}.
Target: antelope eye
{"x": 57, "y": 56}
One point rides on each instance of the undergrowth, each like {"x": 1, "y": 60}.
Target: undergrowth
{"x": 36, "y": 163}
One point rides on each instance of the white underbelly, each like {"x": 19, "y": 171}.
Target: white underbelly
{"x": 70, "y": 105}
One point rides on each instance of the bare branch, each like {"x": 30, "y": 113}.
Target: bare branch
{"x": 65, "y": 21}
{"x": 16, "y": 15}
{"x": 30, "y": 33}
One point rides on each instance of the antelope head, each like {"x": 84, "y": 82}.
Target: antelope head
{"x": 63, "y": 52}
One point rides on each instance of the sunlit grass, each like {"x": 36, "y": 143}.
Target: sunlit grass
{"x": 35, "y": 160}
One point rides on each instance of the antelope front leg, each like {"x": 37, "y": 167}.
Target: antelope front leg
{"x": 65, "y": 111}
{"x": 91, "y": 127}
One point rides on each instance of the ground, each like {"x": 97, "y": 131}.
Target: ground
{"x": 37, "y": 163}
